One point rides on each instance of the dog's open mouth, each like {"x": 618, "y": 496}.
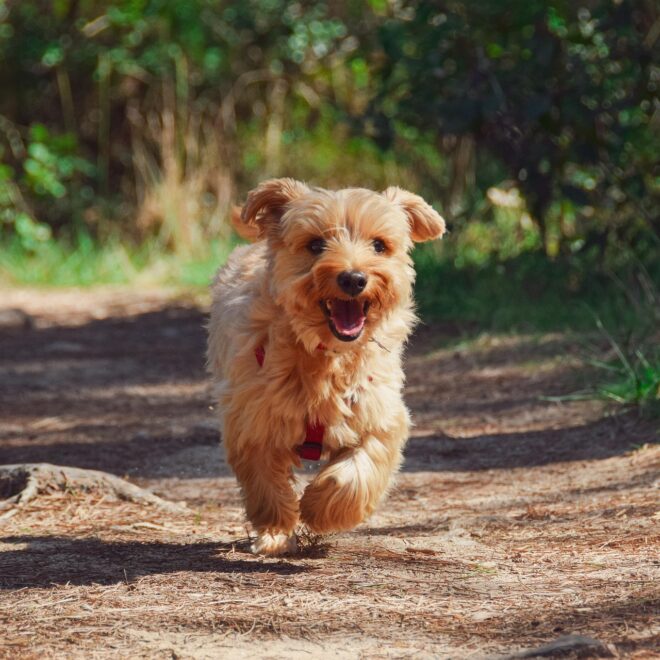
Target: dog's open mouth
{"x": 346, "y": 318}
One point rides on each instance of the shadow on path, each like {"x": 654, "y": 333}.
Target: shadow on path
{"x": 596, "y": 440}
{"x": 49, "y": 560}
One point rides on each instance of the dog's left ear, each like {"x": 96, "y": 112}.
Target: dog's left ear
{"x": 266, "y": 204}
{"x": 425, "y": 222}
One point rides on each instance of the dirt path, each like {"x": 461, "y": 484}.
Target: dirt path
{"x": 515, "y": 521}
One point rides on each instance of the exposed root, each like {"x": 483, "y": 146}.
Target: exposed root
{"x": 21, "y": 483}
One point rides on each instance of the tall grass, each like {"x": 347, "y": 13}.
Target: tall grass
{"x": 176, "y": 232}
{"x": 184, "y": 183}
{"x": 631, "y": 369}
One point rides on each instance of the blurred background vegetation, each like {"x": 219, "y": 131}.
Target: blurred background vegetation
{"x": 128, "y": 129}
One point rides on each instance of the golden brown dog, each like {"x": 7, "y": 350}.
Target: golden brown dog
{"x": 305, "y": 340}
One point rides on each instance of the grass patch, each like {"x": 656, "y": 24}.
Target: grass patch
{"x": 83, "y": 262}
{"x": 526, "y": 294}
{"x": 632, "y": 376}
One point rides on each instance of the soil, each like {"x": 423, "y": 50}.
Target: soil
{"x": 519, "y": 517}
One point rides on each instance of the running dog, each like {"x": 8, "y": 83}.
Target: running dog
{"x": 306, "y": 335}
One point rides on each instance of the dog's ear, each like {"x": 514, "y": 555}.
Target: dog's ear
{"x": 425, "y": 222}
{"x": 266, "y": 204}
{"x": 248, "y": 232}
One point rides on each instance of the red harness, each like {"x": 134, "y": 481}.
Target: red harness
{"x": 312, "y": 448}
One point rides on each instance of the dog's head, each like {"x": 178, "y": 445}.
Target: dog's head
{"x": 340, "y": 259}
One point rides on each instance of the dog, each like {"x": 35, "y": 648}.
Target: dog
{"x": 306, "y": 334}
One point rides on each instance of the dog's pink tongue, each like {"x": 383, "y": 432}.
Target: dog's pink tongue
{"x": 347, "y": 315}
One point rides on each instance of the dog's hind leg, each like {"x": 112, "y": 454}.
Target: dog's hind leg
{"x": 270, "y": 500}
{"x": 347, "y": 490}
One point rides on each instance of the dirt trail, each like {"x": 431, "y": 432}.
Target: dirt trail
{"x": 515, "y": 520}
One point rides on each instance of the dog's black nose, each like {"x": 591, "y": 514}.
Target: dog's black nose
{"x": 352, "y": 282}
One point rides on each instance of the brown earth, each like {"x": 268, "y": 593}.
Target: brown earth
{"x": 516, "y": 519}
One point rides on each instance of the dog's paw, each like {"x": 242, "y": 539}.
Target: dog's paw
{"x": 328, "y": 507}
{"x": 273, "y": 545}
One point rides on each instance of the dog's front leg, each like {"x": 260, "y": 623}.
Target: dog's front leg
{"x": 270, "y": 501}
{"x": 347, "y": 490}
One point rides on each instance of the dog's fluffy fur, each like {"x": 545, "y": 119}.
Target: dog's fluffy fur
{"x": 279, "y": 294}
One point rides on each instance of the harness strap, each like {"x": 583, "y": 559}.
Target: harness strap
{"x": 312, "y": 447}
{"x": 260, "y": 354}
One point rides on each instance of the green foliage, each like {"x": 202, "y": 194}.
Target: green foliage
{"x": 51, "y": 163}
{"x": 527, "y": 123}
{"x": 14, "y": 215}
{"x": 634, "y": 380}
{"x": 556, "y": 97}
{"x": 51, "y": 170}
{"x": 108, "y": 80}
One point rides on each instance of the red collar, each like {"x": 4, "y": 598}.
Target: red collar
{"x": 312, "y": 447}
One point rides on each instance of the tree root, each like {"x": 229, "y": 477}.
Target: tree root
{"x": 23, "y": 482}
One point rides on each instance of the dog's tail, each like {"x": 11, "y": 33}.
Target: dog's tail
{"x": 248, "y": 232}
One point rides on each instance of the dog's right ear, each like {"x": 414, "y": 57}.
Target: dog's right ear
{"x": 266, "y": 204}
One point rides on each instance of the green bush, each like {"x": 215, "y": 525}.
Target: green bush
{"x": 556, "y": 98}
{"x": 550, "y": 99}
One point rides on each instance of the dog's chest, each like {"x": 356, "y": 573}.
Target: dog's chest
{"x": 354, "y": 405}
{"x": 348, "y": 397}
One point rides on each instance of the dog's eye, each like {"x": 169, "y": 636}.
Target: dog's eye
{"x": 316, "y": 246}
{"x": 379, "y": 246}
